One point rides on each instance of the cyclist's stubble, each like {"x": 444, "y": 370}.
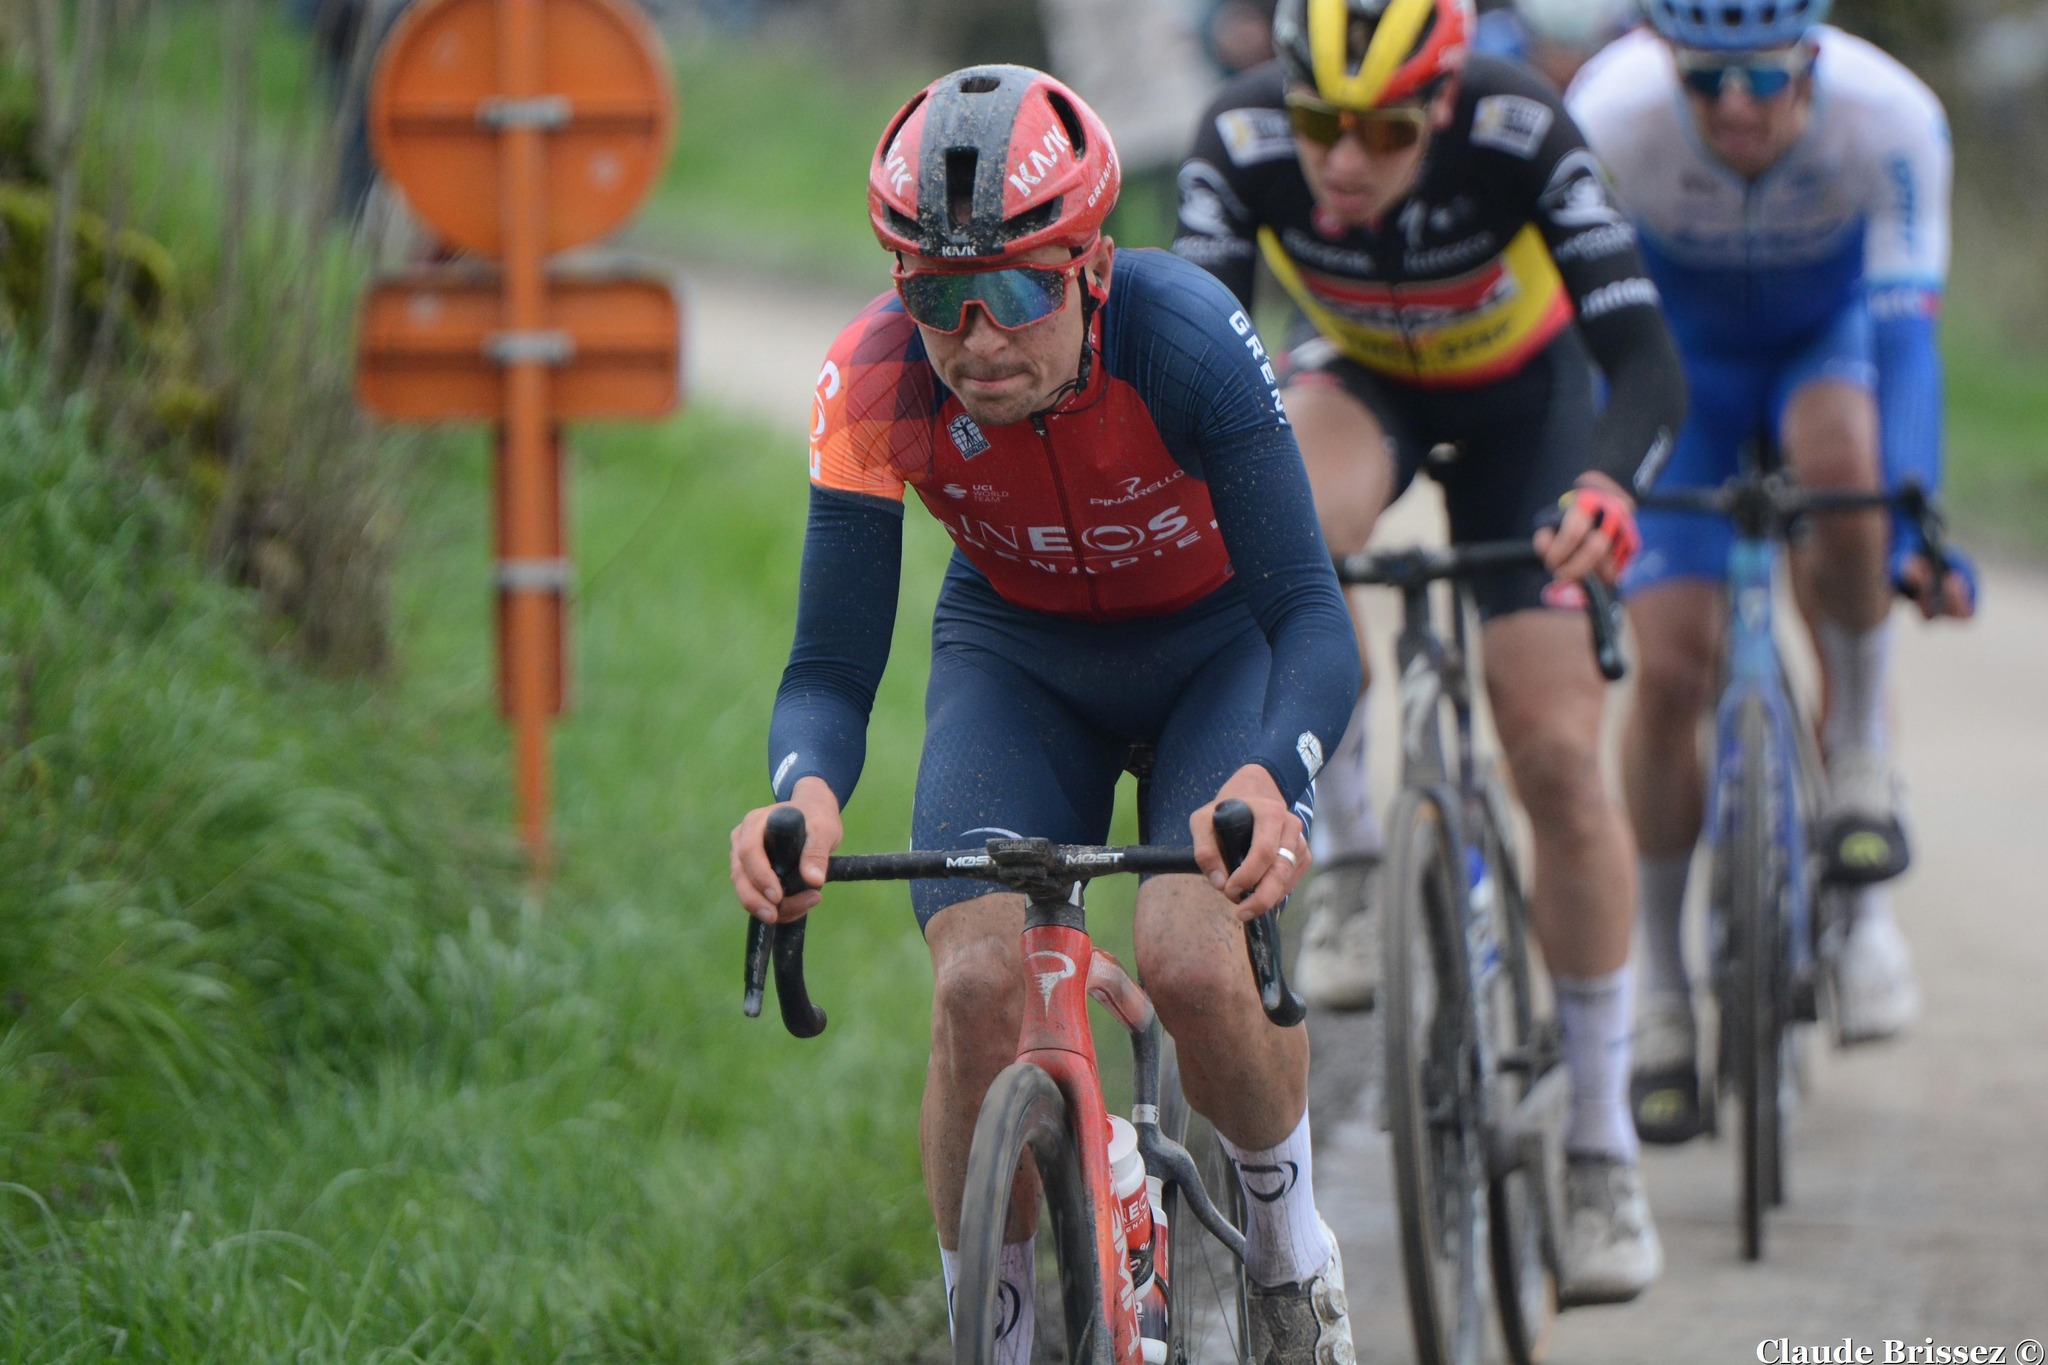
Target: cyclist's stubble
{"x": 1003, "y": 377}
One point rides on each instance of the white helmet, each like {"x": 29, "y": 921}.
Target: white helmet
{"x": 1581, "y": 25}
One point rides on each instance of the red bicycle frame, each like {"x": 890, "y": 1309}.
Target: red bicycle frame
{"x": 1056, "y": 1038}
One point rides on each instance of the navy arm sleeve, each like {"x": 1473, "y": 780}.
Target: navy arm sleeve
{"x": 1268, "y": 520}
{"x": 845, "y": 616}
{"x": 1213, "y": 396}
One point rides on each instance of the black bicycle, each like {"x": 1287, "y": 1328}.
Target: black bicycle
{"x": 1048, "y": 1106}
{"x": 1476, "y": 1092}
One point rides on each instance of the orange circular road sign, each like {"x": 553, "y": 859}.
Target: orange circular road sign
{"x": 439, "y": 109}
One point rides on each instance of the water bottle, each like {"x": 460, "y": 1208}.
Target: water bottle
{"x": 1141, "y": 1223}
{"x": 1152, "y": 1300}
{"x": 1479, "y": 878}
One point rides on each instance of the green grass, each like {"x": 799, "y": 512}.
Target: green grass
{"x": 1997, "y": 483}
{"x": 292, "y": 1075}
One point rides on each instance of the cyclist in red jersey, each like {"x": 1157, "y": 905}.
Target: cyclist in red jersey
{"x": 1137, "y": 568}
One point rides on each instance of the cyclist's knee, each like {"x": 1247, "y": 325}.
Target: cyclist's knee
{"x": 1192, "y": 959}
{"x": 1674, "y": 685}
{"x": 1557, "y": 774}
{"x": 977, "y": 983}
{"x": 1831, "y": 436}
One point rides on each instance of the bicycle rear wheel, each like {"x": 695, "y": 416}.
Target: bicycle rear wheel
{"x": 1754, "y": 1014}
{"x": 1440, "y": 1174}
{"x": 1024, "y": 1113}
{"x": 1205, "y": 1284}
{"x": 1524, "y": 1278}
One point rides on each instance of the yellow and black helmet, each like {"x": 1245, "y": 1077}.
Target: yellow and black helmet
{"x": 1362, "y": 54}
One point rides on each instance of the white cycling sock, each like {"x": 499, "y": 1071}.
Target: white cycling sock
{"x": 1859, "y": 670}
{"x": 1345, "y": 826}
{"x": 1017, "y": 1299}
{"x": 1870, "y": 908}
{"x": 1593, "y": 1014}
{"x": 1283, "y": 1235}
{"x": 1660, "y": 905}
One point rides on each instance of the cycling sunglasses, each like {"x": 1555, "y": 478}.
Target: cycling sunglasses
{"x": 1764, "y": 75}
{"x": 1013, "y": 298}
{"x": 1382, "y": 132}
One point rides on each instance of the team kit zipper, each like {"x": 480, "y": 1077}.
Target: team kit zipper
{"x": 1042, "y": 426}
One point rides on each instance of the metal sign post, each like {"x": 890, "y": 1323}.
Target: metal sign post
{"x": 520, "y": 128}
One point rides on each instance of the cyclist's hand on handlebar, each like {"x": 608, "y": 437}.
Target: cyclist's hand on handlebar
{"x": 1597, "y": 534}
{"x": 1958, "y": 588}
{"x": 1263, "y": 880}
{"x": 760, "y": 890}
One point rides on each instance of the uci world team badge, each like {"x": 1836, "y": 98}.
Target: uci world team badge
{"x": 967, "y": 436}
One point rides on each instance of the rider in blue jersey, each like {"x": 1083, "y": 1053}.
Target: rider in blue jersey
{"x": 1553, "y": 38}
{"x": 1790, "y": 184}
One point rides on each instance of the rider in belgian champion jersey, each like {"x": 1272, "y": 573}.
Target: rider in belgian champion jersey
{"x": 1462, "y": 271}
{"x": 1137, "y": 570}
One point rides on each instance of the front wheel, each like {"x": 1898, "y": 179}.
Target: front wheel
{"x": 1524, "y": 1279}
{"x": 1440, "y": 1167}
{"x": 1753, "y": 1002}
{"x": 1024, "y": 1115}
{"x": 1206, "y": 1291}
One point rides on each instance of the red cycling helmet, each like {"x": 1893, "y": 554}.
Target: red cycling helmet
{"x": 1362, "y": 54}
{"x": 991, "y": 162}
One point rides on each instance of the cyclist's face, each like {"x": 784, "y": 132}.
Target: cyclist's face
{"x": 1747, "y": 132}
{"x": 1356, "y": 185}
{"x": 1004, "y": 376}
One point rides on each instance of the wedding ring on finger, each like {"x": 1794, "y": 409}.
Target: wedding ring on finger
{"x": 1292, "y": 861}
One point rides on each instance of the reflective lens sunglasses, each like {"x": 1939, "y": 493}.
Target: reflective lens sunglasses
{"x": 1382, "y": 132}
{"x": 1014, "y": 297}
{"x": 1764, "y": 75}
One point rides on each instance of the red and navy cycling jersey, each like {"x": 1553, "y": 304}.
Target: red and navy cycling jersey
{"x": 1097, "y": 509}
{"x": 1171, "y": 483}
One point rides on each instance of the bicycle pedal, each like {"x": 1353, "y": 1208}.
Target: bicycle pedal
{"x": 1859, "y": 852}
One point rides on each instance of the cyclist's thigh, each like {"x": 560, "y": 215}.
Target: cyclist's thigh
{"x": 1825, "y": 406}
{"x": 1547, "y": 693}
{"x": 1003, "y": 757}
{"x": 1729, "y": 405}
{"x": 1357, "y": 443}
{"x": 1523, "y": 441}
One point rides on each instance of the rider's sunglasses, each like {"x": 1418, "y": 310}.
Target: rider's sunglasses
{"x": 1763, "y": 75}
{"x": 1382, "y": 132}
{"x": 1014, "y": 297}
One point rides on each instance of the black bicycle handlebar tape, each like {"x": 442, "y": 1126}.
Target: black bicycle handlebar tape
{"x": 783, "y": 839}
{"x": 1603, "y": 609}
{"x": 1262, "y": 936}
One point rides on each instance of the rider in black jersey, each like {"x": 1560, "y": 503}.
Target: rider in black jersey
{"x": 1449, "y": 239}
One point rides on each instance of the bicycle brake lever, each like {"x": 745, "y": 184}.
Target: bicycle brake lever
{"x": 783, "y": 840}
{"x": 1262, "y": 936}
{"x": 1603, "y": 609}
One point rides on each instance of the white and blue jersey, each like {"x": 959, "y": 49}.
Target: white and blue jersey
{"x": 1829, "y": 265}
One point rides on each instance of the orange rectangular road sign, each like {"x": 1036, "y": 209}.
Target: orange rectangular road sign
{"x": 434, "y": 344}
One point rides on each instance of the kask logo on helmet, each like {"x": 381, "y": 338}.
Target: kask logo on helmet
{"x": 1042, "y": 161}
